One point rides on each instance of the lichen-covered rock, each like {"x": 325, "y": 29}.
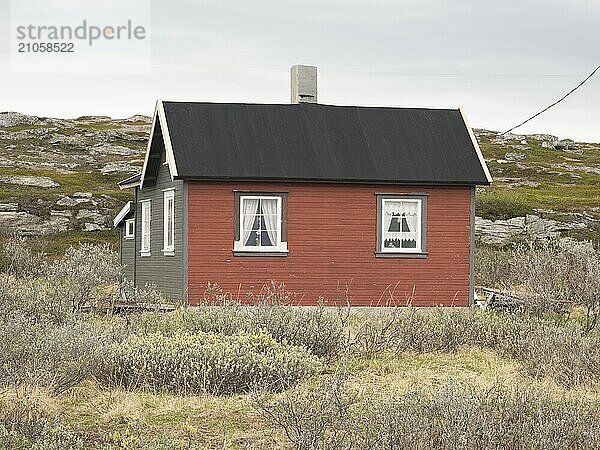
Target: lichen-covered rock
{"x": 69, "y": 202}
{"x": 25, "y": 180}
{"x": 9, "y": 207}
{"x": 530, "y": 227}
{"x": 82, "y": 195}
{"x": 514, "y": 156}
{"x": 93, "y": 227}
{"x": 11, "y": 119}
{"x": 120, "y": 167}
{"x": 119, "y": 150}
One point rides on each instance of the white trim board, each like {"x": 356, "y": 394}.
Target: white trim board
{"x": 124, "y": 211}
{"x": 159, "y": 115}
{"x": 170, "y": 156}
{"x": 477, "y": 149}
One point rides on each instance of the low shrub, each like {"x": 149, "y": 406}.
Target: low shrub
{"x": 545, "y": 348}
{"x": 212, "y": 363}
{"x": 495, "y": 207}
{"x": 56, "y": 357}
{"x": 453, "y": 416}
{"x": 26, "y": 424}
{"x": 319, "y": 329}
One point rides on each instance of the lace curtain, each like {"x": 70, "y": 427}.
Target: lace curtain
{"x": 265, "y": 210}
{"x": 249, "y": 213}
{"x": 269, "y": 210}
{"x": 401, "y": 224}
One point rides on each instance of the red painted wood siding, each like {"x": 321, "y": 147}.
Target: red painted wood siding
{"x": 331, "y": 242}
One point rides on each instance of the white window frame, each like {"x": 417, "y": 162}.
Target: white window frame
{"x": 146, "y": 218}
{"x": 168, "y": 218}
{"x": 419, "y": 247}
{"x": 129, "y": 229}
{"x": 280, "y": 247}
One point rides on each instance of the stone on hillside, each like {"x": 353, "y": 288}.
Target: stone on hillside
{"x": 568, "y": 145}
{"x": 108, "y": 149}
{"x": 30, "y": 133}
{"x": 93, "y": 227}
{"x": 11, "y": 119}
{"x": 139, "y": 118}
{"x": 69, "y": 202}
{"x": 56, "y": 224}
{"x": 9, "y": 207}
{"x": 61, "y": 213}
{"x": 82, "y": 194}
{"x": 545, "y": 137}
{"x": 74, "y": 140}
{"x": 93, "y": 118}
{"x": 511, "y": 182}
{"x": 570, "y": 167}
{"x": 564, "y": 144}
{"x": 514, "y": 156}
{"x": 28, "y": 224}
{"x": 17, "y": 219}
{"x": 508, "y": 137}
{"x": 120, "y": 167}
{"x": 24, "y": 180}
{"x": 504, "y": 232}
{"x": 89, "y": 214}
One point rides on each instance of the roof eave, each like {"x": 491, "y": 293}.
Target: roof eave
{"x": 122, "y": 214}
{"x": 484, "y": 166}
{"x": 337, "y": 180}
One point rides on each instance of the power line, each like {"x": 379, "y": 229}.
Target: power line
{"x": 555, "y": 103}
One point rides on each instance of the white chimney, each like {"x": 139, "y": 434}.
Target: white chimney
{"x": 304, "y": 84}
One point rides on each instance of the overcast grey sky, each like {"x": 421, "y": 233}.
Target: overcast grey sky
{"x": 500, "y": 61}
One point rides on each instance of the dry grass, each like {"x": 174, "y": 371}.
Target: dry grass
{"x": 214, "y": 422}
{"x": 232, "y": 422}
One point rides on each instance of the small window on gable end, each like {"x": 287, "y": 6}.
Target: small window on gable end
{"x": 169, "y": 222}
{"x": 260, "y": 224}
{"x": 129, "y": 228}
{"x": 401, "y": 225}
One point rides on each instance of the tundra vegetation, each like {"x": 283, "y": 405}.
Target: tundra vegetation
{"x": 76, "y": 375}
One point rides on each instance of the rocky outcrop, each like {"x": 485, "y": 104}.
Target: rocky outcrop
{"x": 108, "y": 149}
{"x": 530, "y": 227}
{"x": 26, "y": 224}
{"x": 45, "y": 182}
{"x": 11, "y": 119}
{"x": 120, "y": 166}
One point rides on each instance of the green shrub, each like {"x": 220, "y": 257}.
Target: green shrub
{"x": 319, "y": 329}
{"x": 493, "y": 207}
{"x": 206, "y": 362}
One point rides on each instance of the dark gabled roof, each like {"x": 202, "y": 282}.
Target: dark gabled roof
{"x": 313, "y": 142}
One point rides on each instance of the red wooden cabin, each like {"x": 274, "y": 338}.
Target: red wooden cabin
{"x": 374, "y": 204}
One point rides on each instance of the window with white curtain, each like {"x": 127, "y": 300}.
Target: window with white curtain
{"x": 169, "y": 221}
{"x": 400, "y": 225}
{"x": 259, "y": 222}
{"x": 146, "y": 216}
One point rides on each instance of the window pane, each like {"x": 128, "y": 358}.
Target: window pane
{"x": 253, "y": 239}
{"x": 260, "y": 221}
{"x": 401, "y": 224}
{"x": 264, "y": 239}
